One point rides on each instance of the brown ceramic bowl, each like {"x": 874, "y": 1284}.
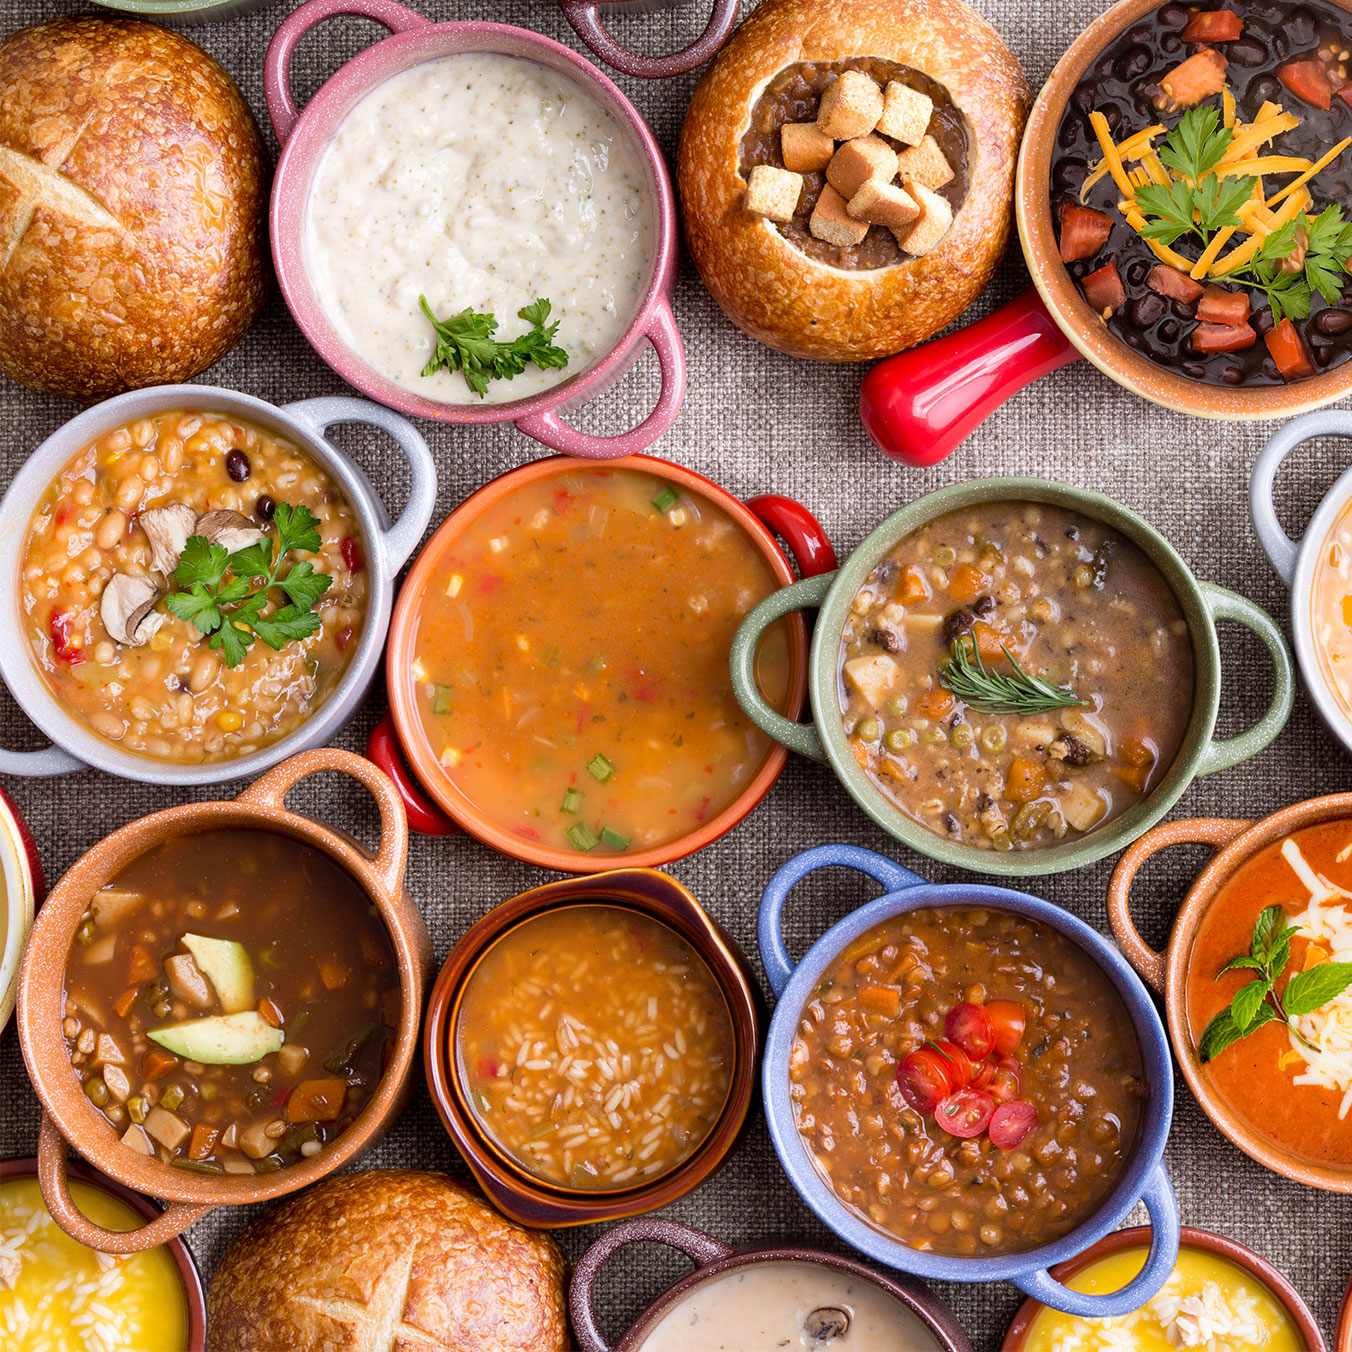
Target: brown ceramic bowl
{"x": 513, "y": 1190}
{"x": 178, "y": 1251}
{"x": 1235, "y": 843}
{"x": 69, "y": 1119}
{"x": 714, "y": 1259}
{"x": 1286, "y": 1294}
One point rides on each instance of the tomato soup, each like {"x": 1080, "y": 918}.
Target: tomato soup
{"x": 1299, "y": 1096}
{"x": 572, "y": 661}
{"x": 1331, "y": 611}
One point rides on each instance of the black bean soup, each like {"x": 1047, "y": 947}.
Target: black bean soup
{"x": 1119, "y": 86}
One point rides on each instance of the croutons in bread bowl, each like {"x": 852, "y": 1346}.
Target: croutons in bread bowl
{"x": 846, "y": 171}
{"x": 131, "y": 194}
{"x": 387, "y": 1258}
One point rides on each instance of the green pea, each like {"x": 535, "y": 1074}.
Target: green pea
{"x": 898, "y": 739}
{"x": 896, "y": 707}
{"x": 994, "y": 738}
{"x": 87, "y": 933}
{"x": 868, "y": 729}
{"x": 97, "y": 1092}
{"x": 931, "y": 735}
{"x": 137, "y": 1108}
{"x": 961, "y": 736}
{"x": 945, "y": 557}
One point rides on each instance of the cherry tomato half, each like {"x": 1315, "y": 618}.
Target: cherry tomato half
{"x": 965, "y": 1113}
{"x": 961, "y": 1067}
{"x": 924, "y": 1080}
{"x": 968, "y": 1026}
{"x": 1007, "y": 1021}
{"x": 1006, "y": 1078}
{"x": 1010, "y": 1123}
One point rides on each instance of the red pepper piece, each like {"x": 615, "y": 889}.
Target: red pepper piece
{"x": 352, "y": 555}
{"x": 1217, "y": 25}
{"x": 1308, "y": 80}
{"x": 62, "y": 628}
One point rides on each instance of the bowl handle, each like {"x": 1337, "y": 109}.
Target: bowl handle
{"x": 919, "y": 405}
{"x": 52, "y": 1179}
{"x": 1217, "y": 832}
{"x": 1162, "y": 1207}
{"x": 661, "y": 331}
{"x": 698, "y": 1247}
{"x": 424, "y": 816}
{"x": 799, "y": 529}
{"x": 582, "y": 14}
{"x": 1280, "y": 548}
{"x": 769, "y": 932}
{"x": 51, "y": 760}
{"x": 270, "y": 792}
{"x": 1228, "y": 751}
{"x": 401, "y": 538}
{"x": 277, "y": 67}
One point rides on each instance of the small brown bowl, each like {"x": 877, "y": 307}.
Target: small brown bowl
{"x": 69, "y": 1119}
{"x": 713, "y": 1259}
{"x": 510, "y": 1187}
{"x": 1286, "y": 1294}
{"x": 177, "y": 1249}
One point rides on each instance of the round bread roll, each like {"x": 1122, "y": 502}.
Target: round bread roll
{"x": 131, "y": 189}
{"x": 387, "y": 1260}
{"x": 771, "y": 276}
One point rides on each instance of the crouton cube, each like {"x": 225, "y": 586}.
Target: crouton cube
{"x": 858, "y": 161}
{"x": 773, "y": 192}
{"x": 833, "y": 223}
{"x": 804, "y": 148}
{"x": 933, "y": 224}
{"x": 925, "y": 164}
{"x": 906, "y": 113}
{"x": 850, "y": 107}
{"x": 882, "y": 203}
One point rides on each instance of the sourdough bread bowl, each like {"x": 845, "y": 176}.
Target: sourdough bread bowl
{"x": 131, "y": 190}
{"x": 784, "y": 281}
{"x": 387, "y": 1258}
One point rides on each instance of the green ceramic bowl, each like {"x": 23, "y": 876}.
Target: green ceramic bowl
{"x": 824, "y": 738}
{"x": 184, "y": 13}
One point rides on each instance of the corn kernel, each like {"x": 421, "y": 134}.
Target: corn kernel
{"x": 229, "y": 720}
{"x": 450, "y": 757}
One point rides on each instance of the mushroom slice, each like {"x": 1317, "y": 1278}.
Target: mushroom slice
{"x": 127, "y": 609}
{"x": 168, "y": 528}
{"x": 232, "y": 530}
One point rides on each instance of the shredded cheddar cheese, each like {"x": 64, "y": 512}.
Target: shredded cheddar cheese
{"x": 1111, "y": 156}
{"x": 1317, "y": 167}
{"x": 1227, "y": 107}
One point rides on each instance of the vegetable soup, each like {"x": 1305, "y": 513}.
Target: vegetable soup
{"x": 1012, "y": 674}
{"x": 1331, "y": 611}
{"x": 572, "y": 661}
{"x": 231, "y": 1000}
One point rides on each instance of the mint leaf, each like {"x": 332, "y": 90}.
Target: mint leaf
{"x": 1314, "y": 988}
{"x": 201, "y": 562}
{"x": 197, "y": 606}
{"x": 1251, "y": 964}
{"x": 1265, "y": 930}
{"x": 1248, "y": 999}
{"x": 1280, "y": 952}
{"x": 1219, "y": 1034}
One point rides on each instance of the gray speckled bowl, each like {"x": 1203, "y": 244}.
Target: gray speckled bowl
{"x": 184, "y": 13}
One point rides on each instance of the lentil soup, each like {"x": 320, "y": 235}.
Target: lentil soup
{"x": 98, "y": 567}
{"x": 595, "y": 1047}
{"x": 1081, "y": 609}
{"x": 1075, "y": 1069}
{"x": 572, "y": 661}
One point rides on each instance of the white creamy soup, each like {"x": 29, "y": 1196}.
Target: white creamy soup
{"x": 789, "y": 1307}
{"x": 485, "y": 182}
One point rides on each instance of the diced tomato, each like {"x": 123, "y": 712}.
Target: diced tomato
{"x": 353, "y": 557}
{"x": 1175, "y": 285}
{"x": 1219, "y": 306}
{"x": 1345, "y": 93}
{"x": 1308, "y": 80}
{"x": 985, "y": 1073}
{"x": 62, "y": 629}
{"x": 1007, "y": 1021}
{"x": 1197, "y": 78}
{"x": 489, "y": 1069}
{"x": 1084, "y": 232}
{"x": 1216, "y": 25}
{"x": 968, "y": 1026}
{"x": 1135, "y": 777}
{"x": 343, "y": 638}
{"x": 1104, "y": 290}
{"x": 1011, "y": 1122}
{"x": 1288, "y": 351}
{"x": 1222, "y": 337}
{"x": 965, "y": 1113}
{"x": 924, "y": 1080}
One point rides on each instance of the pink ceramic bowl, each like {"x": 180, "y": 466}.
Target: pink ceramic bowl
{"x": 305, "y": 136}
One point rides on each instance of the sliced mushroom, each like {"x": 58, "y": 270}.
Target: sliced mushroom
{"x": 827, "y": 1324}
{"x": 168, "y": 528}
{"x": 127, "y": 609}
{"x": 232, "y": 530}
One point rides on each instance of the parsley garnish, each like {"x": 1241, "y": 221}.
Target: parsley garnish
{"x": 225, "y": 595}
{"x": 1327, "y": 251}
{"x": 465, "y": 343}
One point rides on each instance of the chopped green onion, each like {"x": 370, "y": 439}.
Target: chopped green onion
{"x": 441, "y": 704}
{"x": 666, "y": 499}
{"x": 600, "y": 768}
{"x": 171, "y": 1097}
{"x": 613, "y": 839}
{"x": 198, "y": 1166}
{"x": 581, "y": 837}
{"x": 572, "y": 800}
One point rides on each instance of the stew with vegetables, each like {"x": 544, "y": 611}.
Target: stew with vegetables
{"x": 231, "y": 1000}
{"x": 1013, "y": 674}
{"x": 967, "y": 1080}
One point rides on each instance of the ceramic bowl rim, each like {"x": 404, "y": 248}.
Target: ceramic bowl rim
{"x": 20, "y": 906}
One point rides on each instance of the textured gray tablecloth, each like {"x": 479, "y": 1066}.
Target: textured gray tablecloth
{"x": 756, "y": 421}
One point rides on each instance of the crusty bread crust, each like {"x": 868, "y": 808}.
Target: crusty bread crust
{"x": 769, "y": 287}
{"x": 393, "y": 1259}
{"x": 131, "y": 193}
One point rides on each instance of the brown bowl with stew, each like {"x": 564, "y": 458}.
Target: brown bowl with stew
{"x": 591, "y": 1048}
{"x": 1273, "y": 1073}
{"x": 220, "y": 1003}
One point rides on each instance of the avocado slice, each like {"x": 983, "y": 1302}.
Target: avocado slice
{"x": 221, "y": 1040}
{"x": 226, "y": 965}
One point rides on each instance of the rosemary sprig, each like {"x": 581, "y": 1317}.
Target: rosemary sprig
{"x": 992, "y": 692}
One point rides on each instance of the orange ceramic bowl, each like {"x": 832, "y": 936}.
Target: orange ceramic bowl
{"x": 450, "y": 807}
{"x": 1345, "y": 1323}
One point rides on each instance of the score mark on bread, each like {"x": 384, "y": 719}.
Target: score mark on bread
{"x": 34, "y": 183}
{"x": 378, "y": 1325}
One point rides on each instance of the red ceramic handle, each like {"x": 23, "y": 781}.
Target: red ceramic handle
{"x": 919, "y": 405}
{"x": 424, "y": 816}
{"x": 799, "y": 529}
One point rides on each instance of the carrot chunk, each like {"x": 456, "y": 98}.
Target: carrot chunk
{"x": 966, "y": 583}
{"x": 913, "y": 587}
{"x": 155, "y": 1063}
{"x": 860, "y": 752}
{"x": 1308, "y": 80}
{"x": 1084, "y": 232}
{"x": 1136, "y": 752}
{"x": 881, "y": 1000}
{"x": 1288, "y": 350}
{"x": 316, "y": 1101}
{"x": 141, "y": 966}
{"x": 1217, "y": 25}
{"x": 1219, "y": 306}
{"x": 1026, "y": 779}
{"x": 122, "y": 1005}
{"x": 1134, "y": 776}
{"x": 202, "y": 1142}
{"x": 1222, "y": 337}
{"x": 990, "y": 641}
{"x": 1104, "y": 290}
{"x": 934, "y": 703}
{"x": 269, "y": 1013}
{"x": 1175, "y": 285}
{"x": 1197, "y": 78}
